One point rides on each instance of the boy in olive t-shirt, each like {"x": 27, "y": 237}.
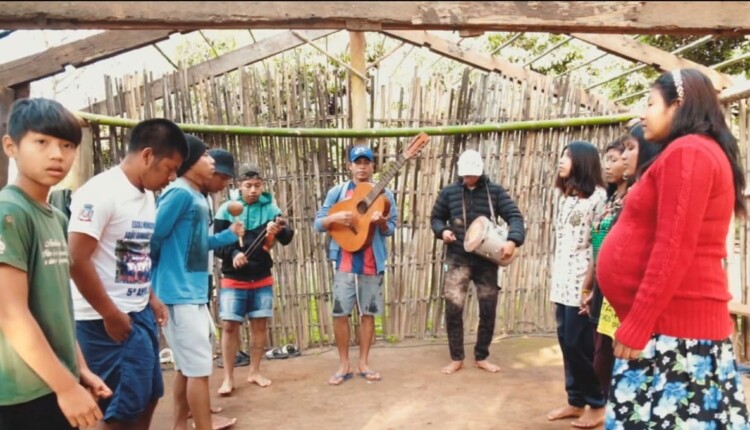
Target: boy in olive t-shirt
{"x": 45, "y": 383}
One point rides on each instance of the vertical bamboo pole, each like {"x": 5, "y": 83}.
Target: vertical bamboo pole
{"x": 358, "y": 94}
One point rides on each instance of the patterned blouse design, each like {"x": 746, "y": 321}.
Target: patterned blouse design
{"x": 573, "y": 249}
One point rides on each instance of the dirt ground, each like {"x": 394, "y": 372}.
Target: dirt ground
{"x": 412, "y": 395}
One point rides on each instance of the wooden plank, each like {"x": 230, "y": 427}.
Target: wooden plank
{"x": 233, "y": 60}
{"x": 735, "y": 93}
{"x": 77, "y": 54}
{"x": 626, "y": 17}
{"x": 488, "y": 63}
{"x": 358, "y": 94}
{"x": 737, "y": 308}
{"x": 631, "y": 49}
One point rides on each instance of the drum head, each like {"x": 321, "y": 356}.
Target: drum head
{"x": 476, "y": 233}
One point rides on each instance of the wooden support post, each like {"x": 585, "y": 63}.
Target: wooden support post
{"x": 83, "y": 166}
{"x": 358, "y": 85}
{"x": 7, "y": 97}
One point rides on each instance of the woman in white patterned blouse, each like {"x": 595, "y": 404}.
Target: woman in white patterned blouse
{"x": 581, "y": 184}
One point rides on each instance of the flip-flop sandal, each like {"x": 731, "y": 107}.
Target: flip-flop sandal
{"x": 276, "y": 353}
{"x": 290, "y": 350}
{"x": 371, "y": 373}
{"x": 240, "y": 360}
{"x": 343, "y": 377}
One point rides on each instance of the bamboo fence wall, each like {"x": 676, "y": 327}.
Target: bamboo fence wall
{"x": 301, "y": 170}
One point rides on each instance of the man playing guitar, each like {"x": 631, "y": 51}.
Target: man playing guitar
{"x": 359, "y": 275}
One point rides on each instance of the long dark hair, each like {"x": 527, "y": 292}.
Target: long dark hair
{"x": 700, "y": 113}
{"x": 619, "y": 146}
{"x": 585, "y": 171}
{"x": 647, "y": 152}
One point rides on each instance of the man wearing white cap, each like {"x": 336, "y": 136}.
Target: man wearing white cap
{"x": 456, "y": 207}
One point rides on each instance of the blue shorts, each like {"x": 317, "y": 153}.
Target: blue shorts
{"x": 236, "y": 303}
{"x": 130, "y": 369}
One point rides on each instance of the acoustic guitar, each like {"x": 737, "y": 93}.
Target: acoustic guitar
{"x": 368, "y": 199}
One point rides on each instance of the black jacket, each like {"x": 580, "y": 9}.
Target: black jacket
{"x": 259, "y": 262}
{"x": 447, "y": 214}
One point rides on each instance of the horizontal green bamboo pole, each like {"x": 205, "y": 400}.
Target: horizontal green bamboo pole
{"x": 376, "y": 132}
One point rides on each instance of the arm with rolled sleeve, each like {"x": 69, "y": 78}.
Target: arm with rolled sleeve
{"x": 330, "y": 200}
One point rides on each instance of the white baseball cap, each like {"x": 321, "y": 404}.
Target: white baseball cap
{"x": 470, "y": 163}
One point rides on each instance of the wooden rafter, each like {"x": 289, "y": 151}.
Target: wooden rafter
{"x": 486, "y": 62}
{"x": 77, "y": 54}
{"x": 231, "y": 61}
{"x": 625, "y": 17}
{"x": 636, "y": 51}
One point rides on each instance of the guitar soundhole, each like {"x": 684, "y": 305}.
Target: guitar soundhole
{"x": 362, "y": 207}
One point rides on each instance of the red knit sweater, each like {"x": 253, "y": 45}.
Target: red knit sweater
{"x": 661, "y": 264}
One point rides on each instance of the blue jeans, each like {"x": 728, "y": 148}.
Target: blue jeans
{"x": 237, "y": 303}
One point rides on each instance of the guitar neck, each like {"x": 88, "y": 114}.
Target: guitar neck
{"x": 385, "y": 178}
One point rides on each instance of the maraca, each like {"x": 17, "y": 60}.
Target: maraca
{"x": 235, "y": 209}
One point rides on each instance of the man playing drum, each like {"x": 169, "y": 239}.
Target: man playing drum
{"x": 458, "y": 205}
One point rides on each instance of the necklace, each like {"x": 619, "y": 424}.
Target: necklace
{"x": 572, "y": 209}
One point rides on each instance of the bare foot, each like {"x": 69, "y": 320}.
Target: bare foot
{"x": 219, "y": 422}
{"x": 257, "y": 378}
{"x": 486, "y": 365}
{"x": 214, "y": 410}
{"x": 454, "y": 367}
{"x": 591, "y": 418}
{"x": 566, "y": 411}
{"x": 226, "y": 388}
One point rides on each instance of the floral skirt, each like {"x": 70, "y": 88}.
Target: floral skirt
{"x": 678, "y": 384}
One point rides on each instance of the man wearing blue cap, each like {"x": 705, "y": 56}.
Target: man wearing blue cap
{"x": 359, "y": 275}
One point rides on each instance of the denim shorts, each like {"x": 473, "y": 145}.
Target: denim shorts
{"x": 131, "y": 369}
{"x": 238, "y": 303}
{"x": 365, "y": 290}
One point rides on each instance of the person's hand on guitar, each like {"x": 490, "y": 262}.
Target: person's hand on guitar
{"x": 239, "y": 260}
{"x": 274, "y": 227}
{"x": 344, "y": 218}
{"x": 448, "y": 236}
{"x": 379, "y": 220}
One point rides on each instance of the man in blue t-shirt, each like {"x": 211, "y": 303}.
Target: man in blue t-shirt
{"x": 179, "y": 253}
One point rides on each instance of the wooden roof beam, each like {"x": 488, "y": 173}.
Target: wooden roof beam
{"x": 228, "y": 62}
{"x": 486, "y": 62}
{"x": 77, "y": 54}
{"x": 636, "y": 51}
{"x": 624, "y": 17}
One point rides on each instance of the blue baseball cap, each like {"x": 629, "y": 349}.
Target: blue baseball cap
{"x": 361, "y": 151}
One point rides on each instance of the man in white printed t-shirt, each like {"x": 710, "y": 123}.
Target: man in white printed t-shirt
{"x": 112, "y": 220}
